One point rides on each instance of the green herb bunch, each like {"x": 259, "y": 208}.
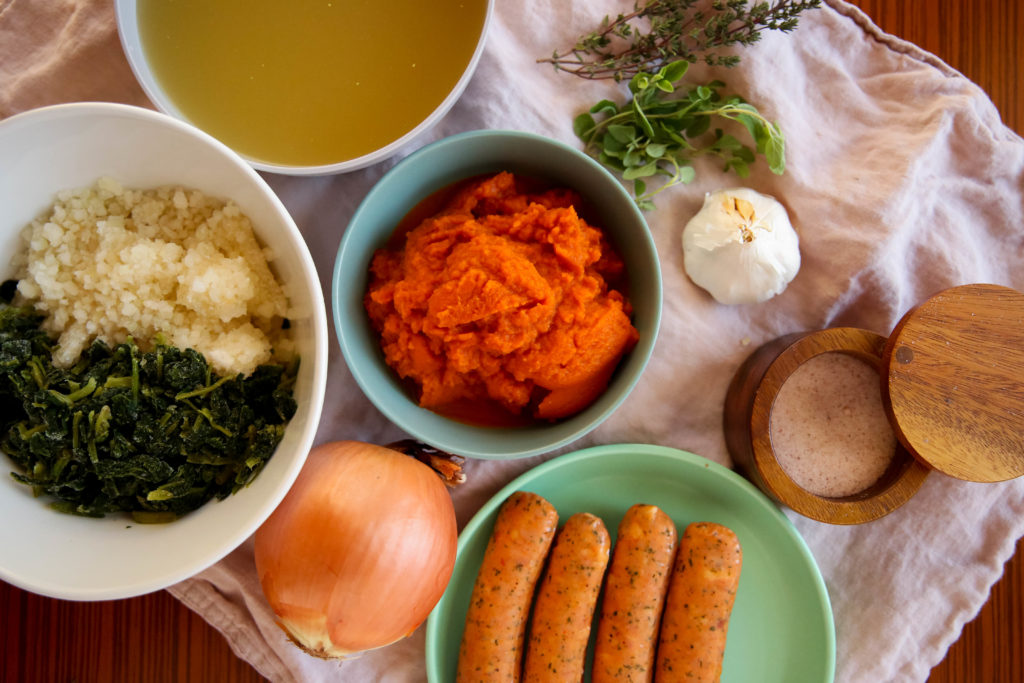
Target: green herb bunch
{"x": 652, "y": 135}
{"x": 156, "y": 434}
{"x": 659, "y": 32}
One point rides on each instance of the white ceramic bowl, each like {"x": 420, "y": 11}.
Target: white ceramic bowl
{"x": 128, "y": 29}
{"x": 69, "y": 146}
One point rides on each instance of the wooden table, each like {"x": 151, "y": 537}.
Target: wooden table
{"x": 154, "y": 638}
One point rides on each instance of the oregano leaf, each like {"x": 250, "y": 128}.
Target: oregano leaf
{"x": 582, "y": 125}
{"x": 656, "y": 150}
{"x": 605, "y": 107}
{"x": 622, "y": 133}
{"x": 675, "y": 71}
{"x": 644, "y": 171}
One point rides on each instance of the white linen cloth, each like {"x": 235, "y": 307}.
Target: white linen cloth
{"x": 901, "y": 181}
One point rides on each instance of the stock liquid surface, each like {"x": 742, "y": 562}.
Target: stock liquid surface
{"x": 308, "y": 83}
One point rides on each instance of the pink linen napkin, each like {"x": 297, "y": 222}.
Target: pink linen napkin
{"x": 901, "y": 181}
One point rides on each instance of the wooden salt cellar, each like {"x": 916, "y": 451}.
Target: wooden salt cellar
{"x": 952, "y": 382}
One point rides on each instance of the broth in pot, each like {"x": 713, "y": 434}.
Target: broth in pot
{"x": 309, "y": 83}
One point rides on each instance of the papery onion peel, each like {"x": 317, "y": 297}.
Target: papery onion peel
{"x": 359, "y": 551}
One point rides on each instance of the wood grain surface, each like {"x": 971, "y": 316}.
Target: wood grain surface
{"x": 953, "y": 365}
{"x": 155, "y": 638}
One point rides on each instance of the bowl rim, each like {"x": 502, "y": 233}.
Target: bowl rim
{"x": 318, "y": 375}
{"x": 445, "y": 442}
{"x": 131, "y": 43}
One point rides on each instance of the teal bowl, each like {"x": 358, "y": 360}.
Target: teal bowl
{"x": 433, "y": 168}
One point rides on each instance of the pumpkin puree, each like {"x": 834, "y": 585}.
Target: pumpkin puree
{"x": 503, "y": 296}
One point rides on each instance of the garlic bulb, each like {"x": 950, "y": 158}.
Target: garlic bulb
{"x": 741, "y": 247}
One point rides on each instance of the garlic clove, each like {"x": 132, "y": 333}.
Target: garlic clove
{"x": 741, "y": 247}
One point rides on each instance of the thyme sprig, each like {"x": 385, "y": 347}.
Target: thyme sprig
{"x": 652, "y": 135}
{"x": 659, "y": 32}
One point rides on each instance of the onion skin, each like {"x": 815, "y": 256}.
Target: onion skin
{"x": 359, "y": 551}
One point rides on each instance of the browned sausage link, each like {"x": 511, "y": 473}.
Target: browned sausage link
{"x": 566, "y": 599}
{"x": 492, "y": 643}
{"x": 634, "y": 595}
{"x": 700, "y": 599}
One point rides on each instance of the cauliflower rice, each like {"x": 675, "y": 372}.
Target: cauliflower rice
{"x": 108, "y": 263}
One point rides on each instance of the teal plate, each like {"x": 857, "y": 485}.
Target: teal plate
{"x": 781, "y": 628}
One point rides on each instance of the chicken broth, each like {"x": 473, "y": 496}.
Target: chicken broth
{"x": 302, "y": 83}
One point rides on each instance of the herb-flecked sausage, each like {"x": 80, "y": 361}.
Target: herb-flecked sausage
{"x": 562, "y": 616}
{"x": 492, "y": 643}
{"x": 700, "y": 598}
{"x": 634, "y": 596}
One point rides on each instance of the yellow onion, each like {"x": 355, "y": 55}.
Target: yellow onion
{"x": 359, "y": 551}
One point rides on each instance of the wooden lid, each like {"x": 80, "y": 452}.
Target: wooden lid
{"x": 955, "y": 378}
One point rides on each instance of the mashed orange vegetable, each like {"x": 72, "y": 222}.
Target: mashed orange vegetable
{"x": 503, "y": 296}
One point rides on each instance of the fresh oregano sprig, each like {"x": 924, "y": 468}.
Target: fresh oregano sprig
{"x": 652, "y": 135}
{"x": 659, "y": 32}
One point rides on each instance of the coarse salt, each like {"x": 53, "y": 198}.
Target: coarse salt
{"x": 829, "y": 430}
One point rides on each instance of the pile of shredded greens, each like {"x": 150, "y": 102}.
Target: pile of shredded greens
{"x": 154, "y": 434}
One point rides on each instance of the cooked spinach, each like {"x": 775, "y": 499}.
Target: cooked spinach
{"x": 155, "y": 434}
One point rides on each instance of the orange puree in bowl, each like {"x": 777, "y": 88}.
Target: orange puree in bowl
{"x": 503, "y": 296}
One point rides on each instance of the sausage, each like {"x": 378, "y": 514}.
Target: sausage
{"x": 634, "y": 595}
{"x": 492, "y": 642}
{"x": 566, "y": 598}
{"x": 701, "y": 594}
